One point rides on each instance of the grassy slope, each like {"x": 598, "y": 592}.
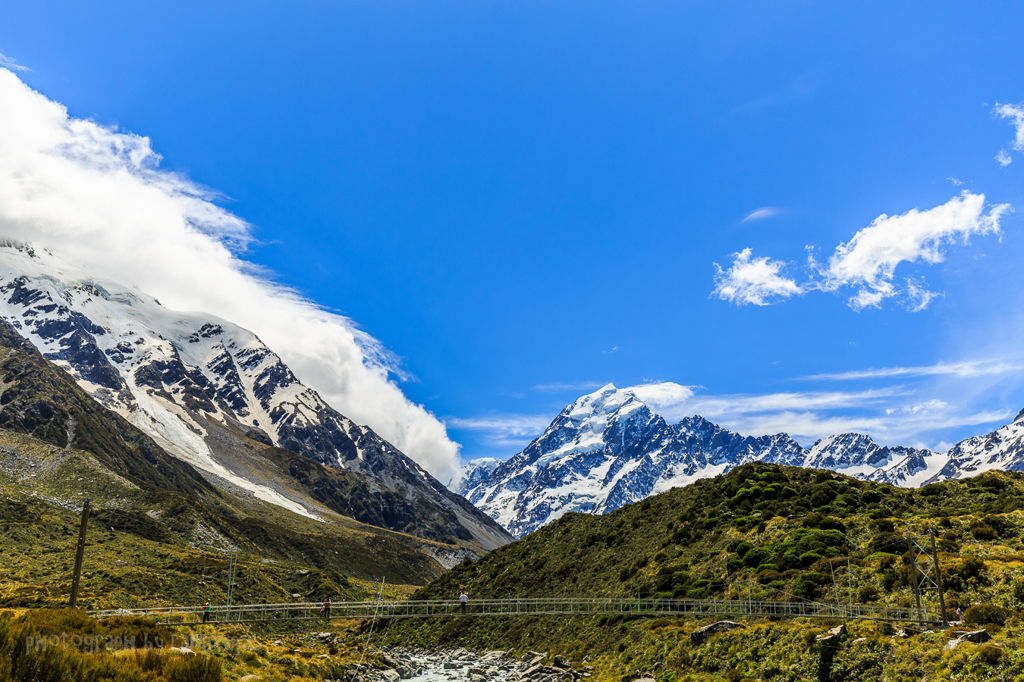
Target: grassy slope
{"x": 776, "y": 526}
{"x": 150, "y": 547}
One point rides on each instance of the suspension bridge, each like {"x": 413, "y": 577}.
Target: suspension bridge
{"x": 541, "y": 606}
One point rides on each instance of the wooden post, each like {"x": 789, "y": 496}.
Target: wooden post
{"x": 79, "y": 556}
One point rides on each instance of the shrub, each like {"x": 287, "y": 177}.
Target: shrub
{"x": 989, "y": 654}
{"x": 983, "y": 531}
{"x": 983, "y": 614}
{"x": 806, "y": 585}
{"x": 867, "y": 593}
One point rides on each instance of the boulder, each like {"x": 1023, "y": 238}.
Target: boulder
{"x": 976, "y": 636}
{"x": 562, "y": 662}
{"x": 390, "y": 676}
{"x": 533, "y": 670}
{"x": 832, "y": 637}
{"x": 700, "y": 634}
{"x": 452, "y": 665}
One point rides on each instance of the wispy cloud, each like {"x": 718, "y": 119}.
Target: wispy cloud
{"x": 918, "y": 297}
{"x": 97, "y": 197}
{"x": 755, "y": 281}
{"x": 761, "y": 214}
{"x": 11, "y": 64}
{"x": 509, "y": 431}
{"x": 1014, "y": 113}
{"x": 893, "y": 415}
{"x": 507, "y": 424}
{"x": 571, "y": 387}
{"x": 963, "y": 369}
{"x": 723, "y": 405}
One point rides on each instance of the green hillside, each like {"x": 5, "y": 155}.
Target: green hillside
{"x": 764, "y": 532}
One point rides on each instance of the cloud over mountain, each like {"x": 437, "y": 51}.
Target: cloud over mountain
{"x": 98, "y": 198}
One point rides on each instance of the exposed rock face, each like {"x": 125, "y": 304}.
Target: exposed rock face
{"x": 203, "y": 388}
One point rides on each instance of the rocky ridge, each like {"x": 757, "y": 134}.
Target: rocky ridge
{"x": 210, "y": 392}
{"x": 608, "y": 449}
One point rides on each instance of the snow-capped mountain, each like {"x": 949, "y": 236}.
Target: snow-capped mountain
{"x": 608, "y": 449}
{"x": 1002, "y": 449}
{"x": 201, "y": 386}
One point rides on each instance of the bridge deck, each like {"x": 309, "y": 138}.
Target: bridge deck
{"x": 576, "y": 606}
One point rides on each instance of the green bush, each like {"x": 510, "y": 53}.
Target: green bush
{"x": 984, "y": 614}
{"x": 867, "y": 593}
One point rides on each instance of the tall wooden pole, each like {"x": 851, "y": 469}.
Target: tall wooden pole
{"x": 79, "y": 555}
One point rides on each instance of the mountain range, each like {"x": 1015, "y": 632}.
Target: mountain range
{"x": 609, "y": 449}
{"x": 213, "y": 395}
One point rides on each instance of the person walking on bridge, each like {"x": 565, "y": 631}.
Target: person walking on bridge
{"x": 325, "y": 608}
{"x": 206, "y": 612}
{"x": 463, "y": 598}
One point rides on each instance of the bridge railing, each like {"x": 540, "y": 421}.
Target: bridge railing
{"x": 178, "y": 615}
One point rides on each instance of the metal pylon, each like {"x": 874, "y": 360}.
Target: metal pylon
{"x": 925, "y": 572}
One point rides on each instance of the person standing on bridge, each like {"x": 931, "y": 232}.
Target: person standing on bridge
{"x": 326, "y": 608}
{"x": 206, "y": 612}
{"x": 463, "y": 598}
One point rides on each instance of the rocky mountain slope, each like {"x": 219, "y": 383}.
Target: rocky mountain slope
{"x": 205, "y": 390}
{"x": 608, "y": 449}
{"x": 58, "y": 447}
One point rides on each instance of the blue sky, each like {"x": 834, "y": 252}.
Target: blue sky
{"x": 524, "y": 201}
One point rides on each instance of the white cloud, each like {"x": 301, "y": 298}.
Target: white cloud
{"x": 761, "y": 214}
{"x": 97, "y": 198}
{"x": 510, "y": 431}
{"x": 758, "y": 281}
{"x": 506, "y": 424}
{"x": 1015, "y": 114}
{"x": 664, "y": 395}
{"x": 918, "y": 297}
{"x": 809, "y": 415}
{"x": 955, "y": 181}
{"x": 963, "y": 369}
{"x": 1003, "y": 158}
{"x": 929, "y": 406}
{"x": 870, "y": 258}
{"x": 10, "y": 63}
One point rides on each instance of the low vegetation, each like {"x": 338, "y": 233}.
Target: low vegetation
{"x": 762, "y": 532}
{"x": 65, "y": 646}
